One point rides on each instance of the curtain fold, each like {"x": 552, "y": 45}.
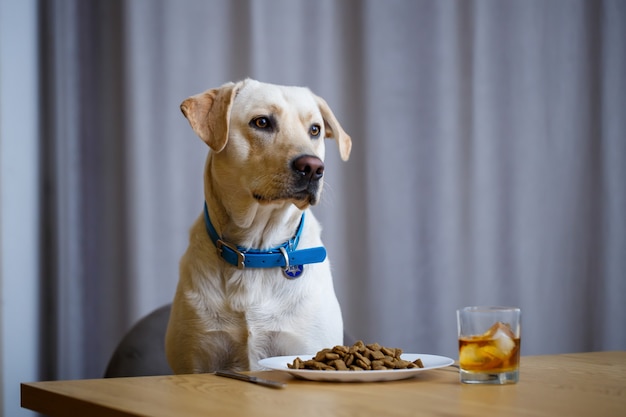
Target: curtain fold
{"x": 86, "y": 278}
{"x": 487, "y": 167}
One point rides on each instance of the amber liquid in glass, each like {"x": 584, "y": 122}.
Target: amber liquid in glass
{"x": 498, "y": 350}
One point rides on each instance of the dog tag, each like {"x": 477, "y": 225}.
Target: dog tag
{"x": 293, "y": 271}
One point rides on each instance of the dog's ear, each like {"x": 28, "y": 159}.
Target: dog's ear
{"x": 208, "y": 114}
{"x": 334, "y": 130}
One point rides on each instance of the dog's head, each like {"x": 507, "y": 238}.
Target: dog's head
{"x": 267, "y": 141}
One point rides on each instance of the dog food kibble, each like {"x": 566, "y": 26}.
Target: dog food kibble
{"x": 358, "y": 357}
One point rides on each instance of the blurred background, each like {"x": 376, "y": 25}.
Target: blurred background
{"x": 488, "y": 164}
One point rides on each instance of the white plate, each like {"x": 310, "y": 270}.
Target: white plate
{"x": 279, "y": 363}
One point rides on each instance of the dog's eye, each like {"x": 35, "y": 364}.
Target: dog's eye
{"x": 315, "y": 130}
{"x": 261, "y": 122}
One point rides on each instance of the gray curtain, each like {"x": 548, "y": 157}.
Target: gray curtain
{"x": 488, "y": 164}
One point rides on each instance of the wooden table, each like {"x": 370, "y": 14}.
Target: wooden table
{"x": 583, "y": 384}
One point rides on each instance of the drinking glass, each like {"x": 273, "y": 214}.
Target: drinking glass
{"x": 489, "y": 344}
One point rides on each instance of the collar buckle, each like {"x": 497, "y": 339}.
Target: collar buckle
{"x": 241, "y": 257}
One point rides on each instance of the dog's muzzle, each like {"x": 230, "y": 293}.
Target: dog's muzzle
{"x": 309, "y": 170}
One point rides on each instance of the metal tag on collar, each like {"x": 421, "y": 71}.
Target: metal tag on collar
{"x": 291, "y": 271}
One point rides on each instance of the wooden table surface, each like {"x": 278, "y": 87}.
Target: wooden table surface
{"x": 581, "y": 384}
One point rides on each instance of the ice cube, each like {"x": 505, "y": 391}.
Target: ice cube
{"x": 503, "y": 337}
{"x": 474, "y": 357}
{"x": 470, "y": 356}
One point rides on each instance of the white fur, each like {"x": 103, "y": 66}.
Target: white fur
{"x": 226, "y": 318}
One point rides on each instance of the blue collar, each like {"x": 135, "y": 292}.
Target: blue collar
{"x": 285, "y": 255}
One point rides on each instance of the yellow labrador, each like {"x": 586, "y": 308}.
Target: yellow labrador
{"x": 255, "y": 281}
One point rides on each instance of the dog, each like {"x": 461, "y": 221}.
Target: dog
{"x": 255, "y": 281}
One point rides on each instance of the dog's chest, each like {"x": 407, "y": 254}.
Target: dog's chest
{"x": 263, "y": 294}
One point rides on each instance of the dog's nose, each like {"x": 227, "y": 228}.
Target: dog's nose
{"x": 309, "y": 166}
